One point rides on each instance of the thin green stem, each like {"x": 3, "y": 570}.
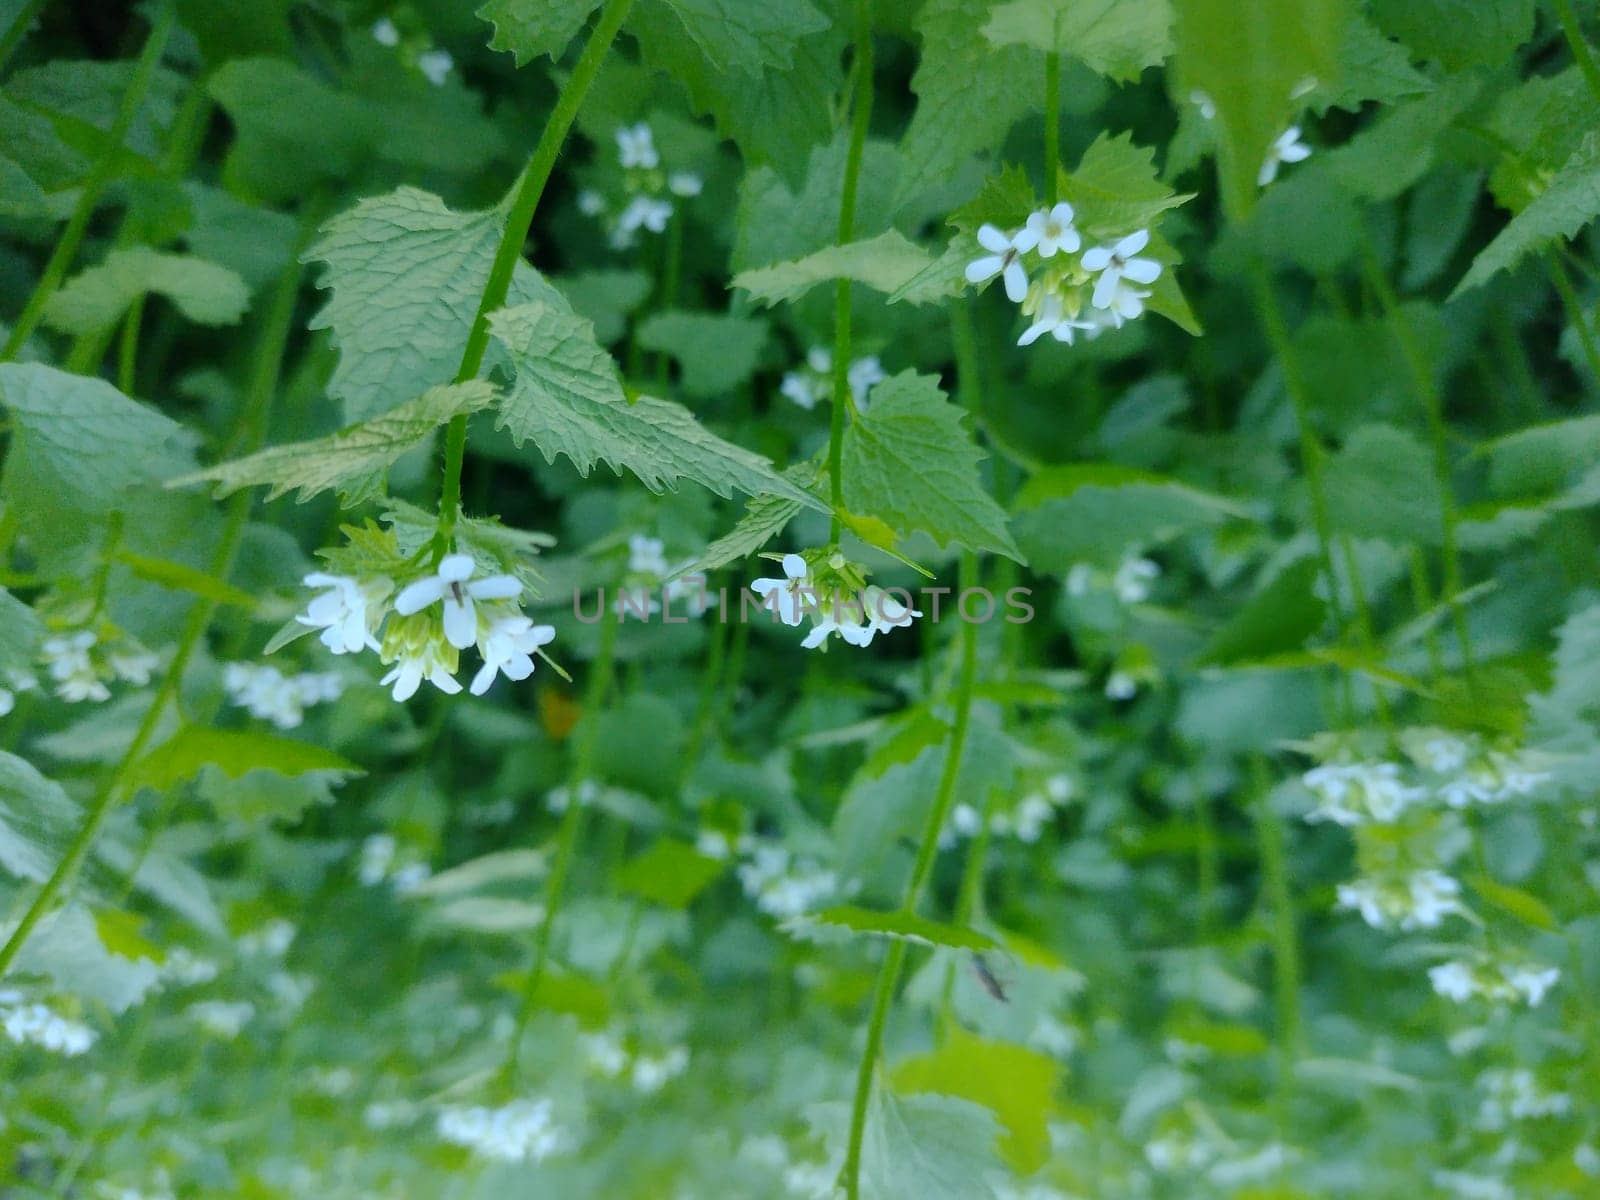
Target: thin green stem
{"x": 1580, "y": 48}
{"x": 1285, "y": 935}
{"x": 128, "y": 346}
{"x": 1575, "y": 314}
{"x": 1052, "y": 126}
{"x": 571, "y": 828}
{"x": 1363, "y": 625}
{"x": 20, "y": 24}
{"x": 860, "y": 118}
{"x": 921, "y": 872}
{"x": 519, "y": 219}
{"x": 66, "y": 248}
{"x": 1433, "y": 406}
{"x": 671, "y": 279}
{"x": 258, "y": 398}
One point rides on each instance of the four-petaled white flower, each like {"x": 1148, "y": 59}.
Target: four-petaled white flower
{"x": 1002, "y": 260}
{"x": 507, "y": 647}
{"x": 636, "y": 147}
{"x": 435, "y": 66}
{"x": 454, "y": 586}
{"x": 428, "y": 660}
{"x": 790, "y": 596}
{"x": 342, "y": 611}
{"x": 1287, "y": 148}
{"x": 1052, "y": 230}
{"x": 1116, "y": 265}
{"x": 643, "y": 212}
{"x": 74, "y": 672}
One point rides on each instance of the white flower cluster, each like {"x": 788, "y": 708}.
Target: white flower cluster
{"x": 270, "y": 695}
{"x": 80, "y": 665}
{"x": 647, "y": 569}
{"x": 376, "y": 864}
{"x": 1099, "y": 289}
{"x": 184, "y": 968}
{"x": 39, "y": 1025}
{"x": 1025, "y": 821}
{"x": 521, "y": 1131}
{"x": 1406, "y": 900}
{"x": 1500, "y": 981}
{"x": 1514, "y": 1094}
{"x": 434, "y": 63}
{"x": 222, "y": 1018}
{"x": 649, "y": 193}
{"x": 433, "y": 619}
{"x": 607, "y": 1056}
{"x": 814, "y": 382}
{"x": 833, "y": 601}
{"x": 782, "y": 884}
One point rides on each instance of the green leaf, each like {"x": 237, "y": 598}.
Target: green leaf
{"x": 405, "y": 274}
{"x": 886, "y": 262}
{"x": 1459, "y": 33}
{"x": 498, "y": 866}
{"x": 1016, "y": 1084}
{"x": 1371, "y": 67}
{"x": 968, "y": 92}
{"x": 718, "y": 351}
{"x": 910, "y": 461}
{"x": 926, "y": 1148}
{"x": 529, "y": 28}
{"x": 1381, "y": 484}
{"x": 1116, "y": 188}
{"x": 1278, "y": 618}
{"x": 1524, "y": 906}
{"x": 1251, "y": 58}
{"x": 355, "y": 458}
{"x": 95, "y": 299}
{"x": 606, "y": 298}
{"x": 80, "y": 448}
{"x": 568, "y": 399}
{"x": 1394, "y": 152}
{"x": 36, "y": 820}
{"x": 1118, "y": 38}
{"x": 1564, "y": 208}
{"x": 235, "y": 754}
{"x": 746, "y": 38}
{"x": 182, "y": 578}
{"x": 1575, "y": 687}
{"x": 66, "y": 947}
{"x": 764, "y": 518}
{"x": 901, "y": 926}
{"x": 670, "y": 873}
{"x": 20, "y": 631}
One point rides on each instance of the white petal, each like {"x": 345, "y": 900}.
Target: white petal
{"x": 417, "y": 596}
{"x": 482, "y": 680}
{"x": 1133, "y": 243}
{"x": 1141, "y": 270}
{"x": 444, "y": 681}
{"x": 460, "y": 622}
{"x": 321, "y": 579}
{"x": 1295, "y": 153}
{"x": 987, "y": 267}
{"x": 539, "y": 635}
{"x": 1034, "y": 332}
{"x": 1016, "y": 282}
{"x": 495, "y": 587}
{"x": 794, "y": 566}
{"x": 1070, "y": 241}
{"x": 406, "y": 677}
{"x": 1025, "y": 239}
{"x": 817, "y": 636}
{"x": 991, "y": 238}
{"x": 1105, "y": 290}
{"x": 1097, "y": 258}
{"x": 454, "y": 568}
{"x": 1063, "y": 212}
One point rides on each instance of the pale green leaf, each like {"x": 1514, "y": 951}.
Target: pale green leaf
{"x": 1560, "y": 211}
{"x": 764, "y": 518}
{"x": 36, "y": 820}
{"x": 95, "y": 299}
{"x": 20, "y": 631}
{"x": 670, "y": 873}
{"x": 745, "y": 36}
{"x": 717, "y": 351}
{"x": 183, "y": 578}
{"x": 529, "y": 28}
{"x": 886, "y": 262}
{"x": 359, "y": 453}
{"x": 927, "y": 1147}
{"x": 498, "y": 866}
{"x": 1116, "y": 188}
{"x": 65, "y": 946}
{"x": 568, "y": 400}
{"x": 1459, "y": 33}
{"x": 1118, "y": 38}
{"x": 1381, "y": 484}
{"x": 234, "y": 753}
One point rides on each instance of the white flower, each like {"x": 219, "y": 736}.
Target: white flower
{"x": 646, "y": 556}
{"x": 1117, "y": 265}
{"x": 864, "y": 374}
{"x": 522, "y": 1131}
{"x": 222, "y": 1017}
{"x": 1288, "y": 148}
{"x": 1133, "y": 579}
{"x": 884, "y": 612}
{"x": 800, "y": 388}
{"x": 38, "y": 1025}
{"x": 1051, "y": 317}
{"x": 507, "y": 647}
{"x": 1358, "y": 793}
{"x": 604, "y": 1053}
{"x": 1454, "y": 981}
{"x": 591, "y": 203}
{"x": 790, "y": 596}
{"x": 650, "y": 1075}
{"x": 1121, "y": 686}
{"x": 429, "y": 661}
{"x": 1409, "y": 900}
{"x": 684, "y": 183}
{"x": 69, "y": 664}
{"x": 1531, "y": 982}
{"x": 454, "y": 586}
{"x": 377, "y": 856}
{"x": 346, "y": 612}
{"x": 1002, "y": 260}
{"x": 132, "y": 663}
{"x": 385, "y": 33}
{"x": 636, "y": 147}
{"x": 712, "y": 843}
{"x": 435, "y": 66}
{"x": 1052, "y": 230}
{"x": 643, "y": 212}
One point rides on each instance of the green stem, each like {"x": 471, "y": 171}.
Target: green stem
{"x": 1580, "y": 48}
{"x": 1575, "y": 314}
{"x": 861, "y": 116}
{"x": 921, "y": 872}
{"x": 1363, "y": 625}
{"x": 66, "y": 248}
{"x": 257, "y": 400}
{"x": 519, "y": 220}
{"x": 571, "y": 827}
{"x": 1285, "y": 936}
{"x": 128, "y": 347}
{"x": 1433, "y": 405}
{"x": 1052, "y": 126}
{"x": 18, "y": 30}
{"x": 671, "y": 276}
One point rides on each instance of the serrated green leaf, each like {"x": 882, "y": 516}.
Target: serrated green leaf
{"x": 353, "y": 459}
{"x": 1116, "y": 188}
{"x": 902, "y": 926}
{"x": 764, "y": 518}
{"x": 1118, "y": 38}
{"x": 670, "y": 873}
{"x": 1459, "y": 33}
{"x": 1381, "y": 484}
{"x": 1016, "y": 1084}
{"x": 1560, "y": 211}
{"x": 927, "y": 1147}
{"x": 909, "y": 460}
{"x": 1371, "y": 67}
{"x": 567, "y": 399}
{"x": 744, "y": 37}
{"x": 886, "y": 262}
{"x": 36, "y": 820}
{"x": 95, "y": 299}
{"x": 717, "y": 351}
{"x": 235, "y": 754}
{"x": 65, "y": 946}
{"x": 529, "y": 28}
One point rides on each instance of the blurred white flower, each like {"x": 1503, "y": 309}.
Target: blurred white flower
{"x": 1286, "y": 148}
{"x": 223, "y": 1018}
{"x": 348, "y": 612}
{"x": 1133, "y": 579}
{"x": 1406, "y": 900}
{"x": 385, "y": 33}
{"x": 39, "y": 1025}
{"x": 1052, "y": 230}
{"x": 636, "y": 147}
{"x": 685, "y": 183}
{"x": 522, "y": 1131}
{"x": 435, "y": 66}
{"x": 67, "y": 660}
{"x": 651, "y": 1074}
{"x": 1003, "y": 260}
